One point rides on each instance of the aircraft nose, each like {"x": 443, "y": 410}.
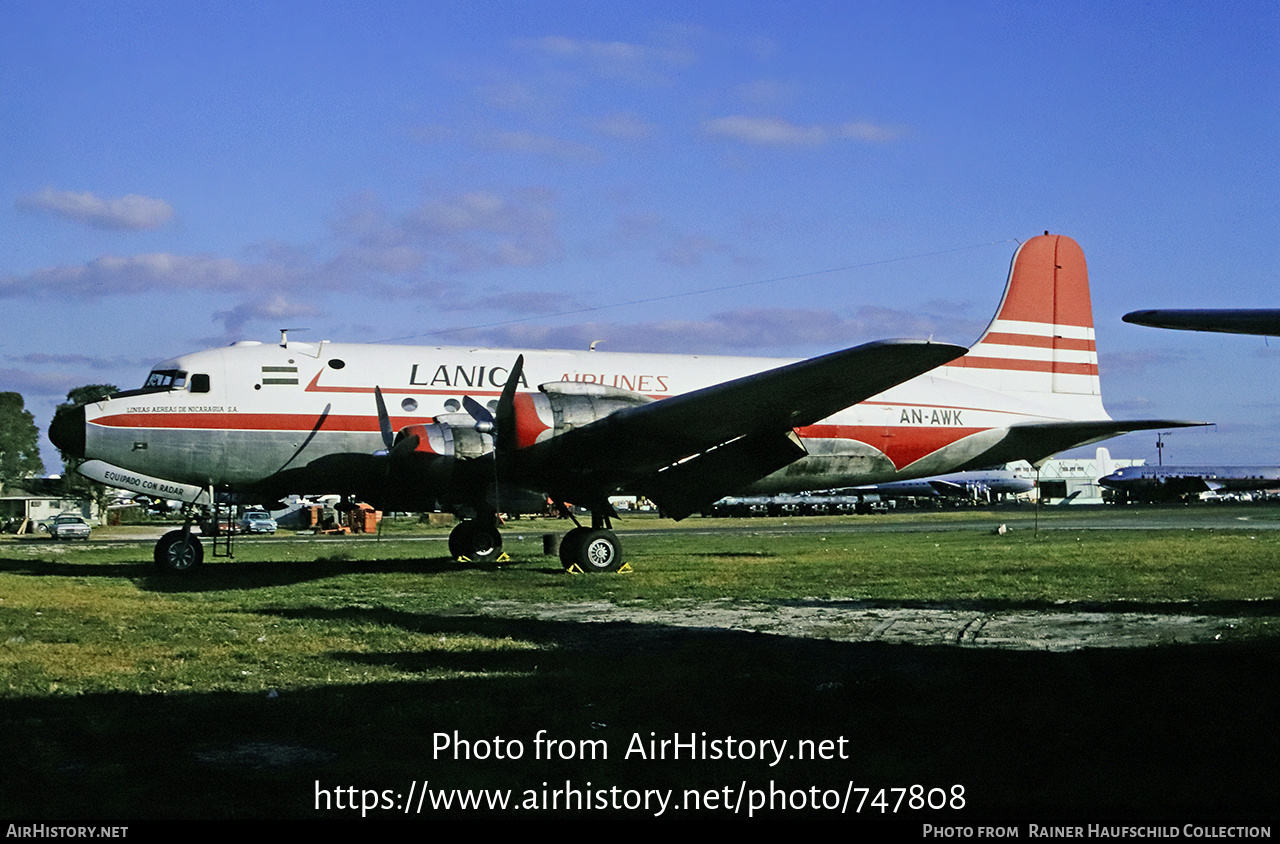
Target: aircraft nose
{"x": 67, "y": 431}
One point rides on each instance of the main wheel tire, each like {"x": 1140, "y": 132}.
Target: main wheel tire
{"x": 178, "y": 552}
{"x": 592, "y": 550}
{"x": 569, "y": 547}
{"x": 477, "y": 540}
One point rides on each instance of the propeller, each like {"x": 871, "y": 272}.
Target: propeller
{"x": 406, "y": 472}
{"x": 503, "y": 427}
{"x": 480, "y": 413}
{"x": 384, "y": 419}
{"x": 504, "y": 440}
{"x": 391, "y": 448}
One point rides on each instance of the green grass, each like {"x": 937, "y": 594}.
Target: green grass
{"x": 79, "y": 618}
{"x": 339, "y": 660}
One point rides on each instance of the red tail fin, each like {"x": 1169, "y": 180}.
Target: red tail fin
{"x": 1041, "y": 340}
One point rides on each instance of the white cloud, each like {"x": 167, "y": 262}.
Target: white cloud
{"x": 521, "y": 96}
{"x": 129, "y": 213}
{"x": 690, "y": 250}
{"x": 775, "y": 132}
{"x": 80, "y": 361}
{"x": 766, "y": 92}
{"x": 614, "y": 51}
{"x": 113, "y": 274}
{"x": 273, "y": 308}
{"x": 862, "y": 130}
{"x": 28, "y": 383}
{"x": 481, "y": 229}
{"x": 744, "y": 330}
{"x": 532, "y": 143}
{"x": 766, "y": 131}
{"x": 369, "y": 247}
{"x": 635, "y": 62}
{"x": 1138, "y": 362}
{"x": 623, "y": 125}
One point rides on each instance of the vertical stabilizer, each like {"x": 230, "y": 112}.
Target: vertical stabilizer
{"x": 1106, "y": 465}
{"x": 1041, "y": 341}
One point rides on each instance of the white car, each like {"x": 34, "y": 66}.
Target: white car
{"x": 68, "y": 527}
{"x": 257, "y": 521}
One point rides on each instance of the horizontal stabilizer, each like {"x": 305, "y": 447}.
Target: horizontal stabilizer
{"x": 1036, "y": 442}
{"x": 1241, "y": 321}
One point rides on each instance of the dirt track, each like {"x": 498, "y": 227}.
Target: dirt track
{"x": 863, "y": 621}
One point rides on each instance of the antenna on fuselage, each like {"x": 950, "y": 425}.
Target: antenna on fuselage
{"x": 284, "y": 335}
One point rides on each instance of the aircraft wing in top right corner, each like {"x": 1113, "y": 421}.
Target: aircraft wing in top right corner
{"x": 1264, "y": 322}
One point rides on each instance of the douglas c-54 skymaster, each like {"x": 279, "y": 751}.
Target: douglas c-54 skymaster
{"x": 403, "y": 427}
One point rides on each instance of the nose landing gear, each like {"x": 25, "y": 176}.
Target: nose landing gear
{"x": 178, "y": 551}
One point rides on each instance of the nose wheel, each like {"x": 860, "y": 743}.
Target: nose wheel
{"x": 178, "y": 551}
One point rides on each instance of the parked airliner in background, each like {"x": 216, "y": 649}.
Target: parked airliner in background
{"x": 977, "y": 484}
{"x": 1156, "y": 483}
{"x": 268, "y": 420}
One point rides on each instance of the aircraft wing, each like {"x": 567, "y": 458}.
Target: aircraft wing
{"x": 1259, "y": 321}
{"x": 694, "y": 448}
{"x": 947, "y": 488}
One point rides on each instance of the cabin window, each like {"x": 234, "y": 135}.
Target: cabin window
{"x": 199, "y": 383}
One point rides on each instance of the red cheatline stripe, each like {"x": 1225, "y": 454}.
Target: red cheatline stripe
{"x": 457, "y": 390}
{"x": 1004, "y": 339}
{"x": 1059, "y": 367}
{"x": 244, "y": 421}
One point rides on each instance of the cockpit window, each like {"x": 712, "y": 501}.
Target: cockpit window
{"x": 165, "y": 379}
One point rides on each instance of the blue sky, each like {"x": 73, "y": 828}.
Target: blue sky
{"x": 179, "y": 175}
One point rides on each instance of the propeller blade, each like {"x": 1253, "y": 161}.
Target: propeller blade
{"x": 505, "y": 438}
{"x": 403, "y": 446}
{"x": 384, "y": 420}
{"x": 480, "y": 413}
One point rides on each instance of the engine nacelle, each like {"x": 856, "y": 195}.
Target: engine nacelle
{"x": 573, "y": 404}
{"x": 449, "y": 435}
{"x": 557, "y": 408}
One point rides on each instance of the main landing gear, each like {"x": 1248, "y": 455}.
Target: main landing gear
{"x": 583, "y": 549}
{"x": 591, "y": 550}
{"x": 477, "y": 540}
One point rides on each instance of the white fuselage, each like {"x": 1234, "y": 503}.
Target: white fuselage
{"x": 236, "y": 415}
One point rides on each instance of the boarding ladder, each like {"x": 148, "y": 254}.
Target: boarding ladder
{"x": 224, "y": 529}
